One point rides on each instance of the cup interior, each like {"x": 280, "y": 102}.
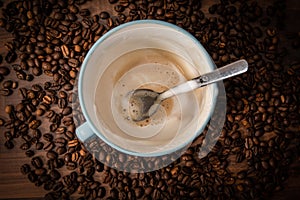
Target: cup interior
{"x": 133, "y": 36}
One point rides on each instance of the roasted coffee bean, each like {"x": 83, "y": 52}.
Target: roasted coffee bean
{"x": 11, "y": 56}
{"x": 49, "y": 146}
{"x": 71, "y": 165}
{"x": 44, "y": 178}
{"x": 68, "y": 86}
{"x": 49, "y": 185}
{"x": 50, "y": 114}
{"x": 72, "y": 97}
{"x": 37, "y": 71}
{"x": 48, "y": 137}
{"x": 25, "y": 169}
{"x": 39, "y": 145}
{"x": 65, "y": 51}
{"x": 104, "y": 15}
{"x": 34, "y": 124}
{"x": 30, "y": 94}
{"x": 88, "y": 164}
{"x": 62, "y": 103}
{"x": 40, "y": 171}
{"x": 235, "y": 135}
{"x": 6, "y": 92}
{"x": 25, "y": 146}
{"x": 29, "y": 153}
{"x": 9, "y": 144}
{"x": 67, "y": 121}
{"x": 75, "y": 156}
{"x": 58, "y": 163}
{"x": 84, "y": 12}
{"x": 73, "y": 143}
{"x": 29, "y": 77}
{"x": 37, "y": 133}
{"x": 40, "y": 112}
{"x": 61, "y": 150}
{"x": 60, "y": 130}
{"x": 54, "y": 174}
{"x": 37, "y": 162}
{"x": 51, "y": 155}
{"x": 21, "y": 75}
{"x": 241, "y": 175}
{"x": 19, "y": 107}
{"x": 73, "y": 62}
{"x": 9, "y": 124}
{"x": 80, "y": 178}
{"x": 7, "y": 84}
{"x": 8, "y": 135}
{"x": 48, "y": 99}
{"x": 139, "y": 191}
{"x": 9, "y": 109}
{"x": 4, "y": 71}
{"x": 2, "y": 121}
{"x": 58, "y": 186}
{"x": 32, "y": 177}
{"x": 60, "y": 142}
{"x": 67, "y": 111}
{"x": 53, "y": 127}
{"x": 70, "y": 135}
{"x": 119, "y": 8}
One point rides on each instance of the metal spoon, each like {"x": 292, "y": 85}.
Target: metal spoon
{"x": 145, "y": 102}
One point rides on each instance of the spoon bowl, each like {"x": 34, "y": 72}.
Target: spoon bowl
{"x": 143, "y": 103}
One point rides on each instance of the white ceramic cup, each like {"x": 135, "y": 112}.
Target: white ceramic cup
{"x": 126, "y": 38}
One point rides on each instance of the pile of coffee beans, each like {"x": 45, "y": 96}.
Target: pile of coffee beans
{"x": 260, "y": 137}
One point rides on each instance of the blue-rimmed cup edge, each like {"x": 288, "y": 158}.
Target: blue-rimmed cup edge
{"x": 89, "y": 129}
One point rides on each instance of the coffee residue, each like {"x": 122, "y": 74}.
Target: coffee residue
{"x": 153, "y": 69}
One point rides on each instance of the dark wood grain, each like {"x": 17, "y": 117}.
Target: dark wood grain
{"x": 14, "y": 185}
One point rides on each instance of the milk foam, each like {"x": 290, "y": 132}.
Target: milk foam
{"x": 153, "y": 69}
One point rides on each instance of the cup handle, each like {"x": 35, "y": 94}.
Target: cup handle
{"x": 84, "y": 132}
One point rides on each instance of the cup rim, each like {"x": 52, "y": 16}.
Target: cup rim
{"x": 84, "y": 66}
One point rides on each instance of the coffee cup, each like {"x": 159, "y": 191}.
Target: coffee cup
{"x": 148, "y": 54}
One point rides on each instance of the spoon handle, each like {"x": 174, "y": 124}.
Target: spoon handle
{"x": 227, "y": 71}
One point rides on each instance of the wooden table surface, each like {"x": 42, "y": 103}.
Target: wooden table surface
{"x": 14, "y": 185}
